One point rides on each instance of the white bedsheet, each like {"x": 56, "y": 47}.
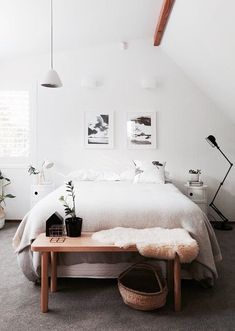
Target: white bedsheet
{"x": 106, "y": 205}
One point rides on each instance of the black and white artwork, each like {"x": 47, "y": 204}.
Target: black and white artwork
{"x": 141, "y": 130}
{"x": 98, "y": 130}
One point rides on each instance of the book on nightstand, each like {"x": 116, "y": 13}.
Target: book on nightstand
{"x": 195, "y": 183}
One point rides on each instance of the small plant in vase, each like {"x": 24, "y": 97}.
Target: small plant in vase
{"x": 194, "y": 175}
{"x": 72, "y": 222}
{"x": 3, "y": 183}
{"x": 40, "y": 174}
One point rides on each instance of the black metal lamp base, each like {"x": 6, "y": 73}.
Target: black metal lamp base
{"x": 224, "y": 226}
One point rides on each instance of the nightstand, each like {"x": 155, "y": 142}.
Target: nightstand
{"x": 39, "y": 191}
{"x": 198, "y": 194}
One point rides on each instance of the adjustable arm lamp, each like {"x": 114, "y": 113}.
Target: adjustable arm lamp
{"x": 221, "y": 225}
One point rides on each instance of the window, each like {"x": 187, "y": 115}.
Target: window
{"x": 14, "y": 124}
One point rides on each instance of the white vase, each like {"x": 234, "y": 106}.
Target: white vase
{"x": 194, "y": 177}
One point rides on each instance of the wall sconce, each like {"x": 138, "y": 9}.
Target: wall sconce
{"x": 149, "y": 83}
{"x": 124, "y": 45}
{"x": 89, "y": 82}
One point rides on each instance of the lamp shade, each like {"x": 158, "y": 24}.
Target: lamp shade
{"x": 52, "y": 79}
{"x": 212, "y": 141}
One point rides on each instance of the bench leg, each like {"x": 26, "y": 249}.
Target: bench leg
{"x": 44, "y": 281}
{"x": 53, "y": 271}
{"x": 177, "y": 283}
{"x": 170, "y": 272}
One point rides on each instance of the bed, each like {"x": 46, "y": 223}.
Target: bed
{"x": 105, "y": 205}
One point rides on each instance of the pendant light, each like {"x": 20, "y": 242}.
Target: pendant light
{"x": 52, "y": 78}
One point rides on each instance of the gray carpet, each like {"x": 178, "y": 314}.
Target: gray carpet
{"x": 86, "y": 304}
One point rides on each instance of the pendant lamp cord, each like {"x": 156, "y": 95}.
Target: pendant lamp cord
{"x": 51, "y": 34}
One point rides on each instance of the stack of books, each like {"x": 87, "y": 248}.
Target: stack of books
{"x": 195, "y": 183}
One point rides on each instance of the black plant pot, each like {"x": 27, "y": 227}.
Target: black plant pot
{"x": 73, "y": 226}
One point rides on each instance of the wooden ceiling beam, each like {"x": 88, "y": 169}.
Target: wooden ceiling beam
{"x": 162, "y": 21}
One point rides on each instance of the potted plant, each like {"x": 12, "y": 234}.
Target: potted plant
{"x": 3, "y": 183}
{"x": 40, "y": 174}
{"x": 73, "y": 223}
{"x": 194, "y": 175}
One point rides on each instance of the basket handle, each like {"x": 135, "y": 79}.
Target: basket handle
{"x": 146, "y": 265}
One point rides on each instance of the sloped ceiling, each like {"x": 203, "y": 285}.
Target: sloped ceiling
{"x": 200, "y": 38}
{"x": 24, "y": 24}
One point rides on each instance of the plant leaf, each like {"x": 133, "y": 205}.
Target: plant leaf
{"x": 10, "y": 196}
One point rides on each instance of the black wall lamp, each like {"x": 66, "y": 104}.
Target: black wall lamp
{"x": 224, "y": 224}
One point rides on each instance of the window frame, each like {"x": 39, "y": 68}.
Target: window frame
{"x": 22, "y": 162}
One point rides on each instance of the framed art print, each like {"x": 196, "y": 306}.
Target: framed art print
{"x": 98, "y": 129}
{"x": 141, "y": 130}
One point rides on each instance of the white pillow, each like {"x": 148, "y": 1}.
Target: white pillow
{"x": 127, "y": 175}
{"x": 168, "y": 178}
{"x": 83, "y": 174}
{"x": 107, "y": 175}
{"x": 93, "y": 175}
{"x": 149, "y": 172}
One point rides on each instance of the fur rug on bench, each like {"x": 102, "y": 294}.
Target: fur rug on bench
{"x": 153, "y": 242}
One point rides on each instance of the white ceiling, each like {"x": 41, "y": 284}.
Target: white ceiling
{"x": 200, "y": 38}
{"x": 200, "y": 35}
{"x": 24, "y": 24}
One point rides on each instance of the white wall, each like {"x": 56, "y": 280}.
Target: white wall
{"x": 185, "y": 116}
{"x": 200, "y": 39}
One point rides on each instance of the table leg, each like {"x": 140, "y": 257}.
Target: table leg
{"x": 44, "y": 281}
{"x": 177, "y": 283}
{"x": 170, "y": 272}
{"x": 53, "y": 271}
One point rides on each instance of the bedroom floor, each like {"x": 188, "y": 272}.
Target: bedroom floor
{"x": 89, "y": 304}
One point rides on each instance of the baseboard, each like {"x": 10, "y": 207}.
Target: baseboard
{"x": 213, "y": 219}
{"x": 13, "y": 221}
{"x": 230, "y": 222}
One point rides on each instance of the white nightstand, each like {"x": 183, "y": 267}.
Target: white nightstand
{"x": 40, "y": 191}
{"x": 198, "y": 195}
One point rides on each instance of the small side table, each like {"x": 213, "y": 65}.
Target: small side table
{"x": 198, "y": 194}
{"x": 39, "y": 191}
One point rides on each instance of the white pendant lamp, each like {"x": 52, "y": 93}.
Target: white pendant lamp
{"x": 52, "y": 78}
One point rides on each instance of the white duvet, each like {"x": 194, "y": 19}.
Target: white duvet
{"x": 105, "y": 205}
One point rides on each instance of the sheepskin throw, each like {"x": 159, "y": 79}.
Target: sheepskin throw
{"x": 153, "y": 242}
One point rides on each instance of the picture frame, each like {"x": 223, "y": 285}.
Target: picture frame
{"x": 98, "y": 129}
{"x": 141, "y": 130}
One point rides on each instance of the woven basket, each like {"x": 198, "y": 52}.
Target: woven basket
{"x": 142, "y": 287}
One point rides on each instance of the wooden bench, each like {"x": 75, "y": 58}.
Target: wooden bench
{"x": 85, "y": 243}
